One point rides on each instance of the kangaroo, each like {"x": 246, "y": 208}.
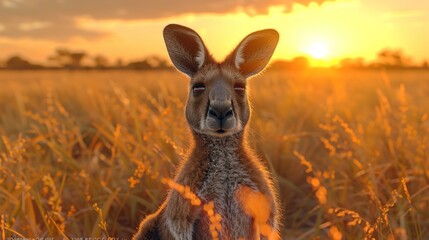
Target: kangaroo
{"x": 220, "y": 161}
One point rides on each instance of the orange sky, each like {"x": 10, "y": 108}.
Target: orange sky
{"x": 330, "y": 31}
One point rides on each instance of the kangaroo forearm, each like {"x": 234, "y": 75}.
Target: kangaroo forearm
{"x": 179, "y": 228}
{"x": 179, "y": 216}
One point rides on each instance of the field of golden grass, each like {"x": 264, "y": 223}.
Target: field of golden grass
{"x": 83, "y": 153}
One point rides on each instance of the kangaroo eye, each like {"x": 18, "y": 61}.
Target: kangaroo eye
{"x": 198, "y": 88}
{"x": 240, "y": 89}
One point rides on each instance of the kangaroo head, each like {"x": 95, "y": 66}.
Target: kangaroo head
{"x": 217, "y": 103}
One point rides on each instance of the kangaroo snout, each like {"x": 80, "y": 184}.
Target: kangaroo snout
{"x": 220, "y": 113}
{"x": 220, "y": 116}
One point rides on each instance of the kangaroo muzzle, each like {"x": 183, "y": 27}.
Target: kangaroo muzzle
{"x": 220, "y": 115}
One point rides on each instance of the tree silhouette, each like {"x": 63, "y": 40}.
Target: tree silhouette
{"x": 119, "y": 63}
{"x": 101, "y": 61}
{"x": 298, "y": 63}
{"x": 76, "y": 59}
{"x": 152, "y": 62}
{"x": 17, "y": 62}
{"x": 157, "y": 62}
{"x": 60, "y": 57}
{"x": 67, "y": 59}
{"x": 393, "y": 59}
{"x": 352, "y": 63}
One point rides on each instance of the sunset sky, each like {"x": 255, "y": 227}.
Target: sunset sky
{"x": 132, "y": 29}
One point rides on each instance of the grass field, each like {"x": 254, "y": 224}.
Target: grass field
{"x": 82, "y": 153}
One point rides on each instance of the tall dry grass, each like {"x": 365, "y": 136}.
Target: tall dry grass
{"x": 83, "y": 153}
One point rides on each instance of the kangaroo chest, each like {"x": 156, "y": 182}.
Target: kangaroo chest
{"x": 224, "y": 173}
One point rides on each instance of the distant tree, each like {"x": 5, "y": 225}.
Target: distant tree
{"x": 393, "y": 59}
{"x": 76, "y": 59}
{"x": 298, "y": 63}
{"x": 425, "y": 64}
{"x": 119, "y": 63}
{"x": 101, "y": 61}
{"x": 157, "y": 62}
{"x": 139, "y": 65}
{"x": 60, "y": 57}
{"x": 352, "y": 63}
{"x": 67, "y": 59}
{"x": 152, "y": 62}
{"x": 17, "y": 62}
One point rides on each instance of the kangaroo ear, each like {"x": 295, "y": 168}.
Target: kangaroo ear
{"x": 254, "y": 52}
{"x": 186, "y": 48}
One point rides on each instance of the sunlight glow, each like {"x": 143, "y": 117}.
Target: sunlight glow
{"x": 317, "y": 50}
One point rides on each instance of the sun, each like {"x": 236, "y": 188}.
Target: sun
{"x": 318, "y": 50}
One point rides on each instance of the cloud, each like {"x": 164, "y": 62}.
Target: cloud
{"x": 57, "y": 19}
{"x": 56, "y": 29}
{"x": 404, "y": 14}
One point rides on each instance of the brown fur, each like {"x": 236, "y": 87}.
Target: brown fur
{"x": 220, "y": 160}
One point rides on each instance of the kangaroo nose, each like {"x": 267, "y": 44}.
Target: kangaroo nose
{"x": 220, "y": 113}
